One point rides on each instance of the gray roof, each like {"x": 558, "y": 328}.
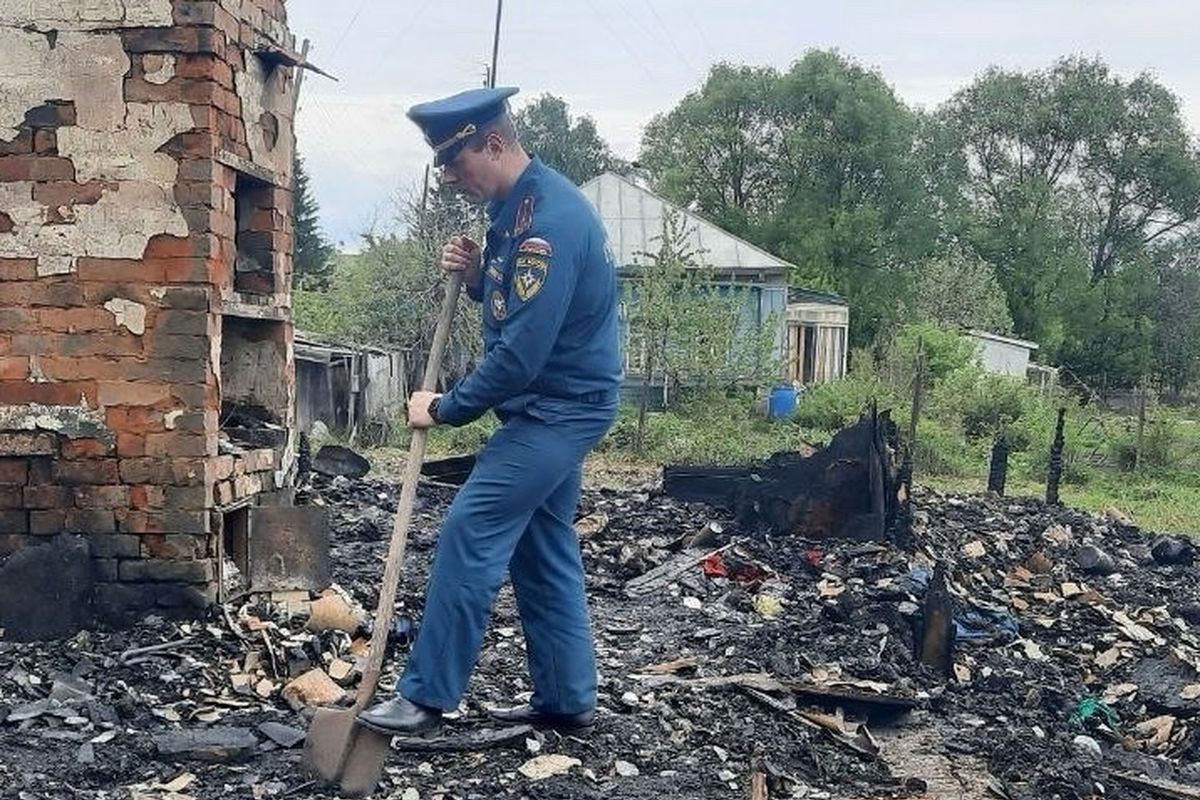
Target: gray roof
{"x": 633, "y": 216}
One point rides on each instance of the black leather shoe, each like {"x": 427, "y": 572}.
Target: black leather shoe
{"x": 400, "y": 717}
{"x": 582, "y": 722}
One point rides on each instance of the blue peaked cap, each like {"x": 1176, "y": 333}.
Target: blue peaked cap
{"x": 448, "y": 123}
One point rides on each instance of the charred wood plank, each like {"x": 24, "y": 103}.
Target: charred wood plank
{"x": 848, "y": 489}
{"x": 1158, "y": 788}
{"x": 937, "y": 634}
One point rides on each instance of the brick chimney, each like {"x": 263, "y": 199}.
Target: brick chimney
{"x": 146, "y": 376}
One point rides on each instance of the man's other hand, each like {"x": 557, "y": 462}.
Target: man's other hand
{"x": 418, "y": 410}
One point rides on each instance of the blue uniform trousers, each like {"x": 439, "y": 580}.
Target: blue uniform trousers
{"x": 516, "y": 511}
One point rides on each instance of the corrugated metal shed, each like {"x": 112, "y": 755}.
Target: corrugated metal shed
{"x": 633, "y": 217}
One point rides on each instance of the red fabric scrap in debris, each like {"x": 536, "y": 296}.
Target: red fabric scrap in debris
{"x": 814, "y": 556}
{"x": 749, "y": 572}
{"x": 714, "y": 566}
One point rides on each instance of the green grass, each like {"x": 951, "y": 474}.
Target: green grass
{"x": 1164, "y": 496}
{"x": 1170, "y": 504}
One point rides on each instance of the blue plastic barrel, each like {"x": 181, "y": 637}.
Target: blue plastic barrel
{"x": 782, "y": 403}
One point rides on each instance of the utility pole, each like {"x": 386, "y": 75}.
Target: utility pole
{"x": 495, "y": 44}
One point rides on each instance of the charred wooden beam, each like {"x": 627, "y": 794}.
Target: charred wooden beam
{"x": 851, "y": 488}
{"x": 936, "y": 643}
{"x": 998, "y": 469}
{"x": 1054, "y": 474}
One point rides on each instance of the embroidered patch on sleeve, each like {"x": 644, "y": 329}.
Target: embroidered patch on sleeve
{"x": 530, "y": 275}
{"x": 499, "y": 307}
{"x": 535, "y": 246}
{"x": 524, "y": 216}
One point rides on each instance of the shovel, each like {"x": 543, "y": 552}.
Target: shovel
{"x": 337, "y": 749}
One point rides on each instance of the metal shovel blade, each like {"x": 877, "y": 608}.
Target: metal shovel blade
{"x": 331, "y": 734}
{"x": 343, "y": 753}
{"x": 364, "y": 762}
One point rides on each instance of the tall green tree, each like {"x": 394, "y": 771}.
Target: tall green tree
{"x": 719, "y": 149}
{"x": 818, "y": 165}
{"x": 957, "y": 289}
{"x": 571, "y": 145}
{"x": 313, "y": 260}
{"x": 1176, "y": 344}
{"x": 1073, "y": 176}
{"x": 390, "y": 294}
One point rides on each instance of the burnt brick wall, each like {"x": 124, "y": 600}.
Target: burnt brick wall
{"x": 123, "y": 147}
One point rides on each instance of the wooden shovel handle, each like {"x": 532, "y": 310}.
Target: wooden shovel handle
{"x": 404, "y": 507}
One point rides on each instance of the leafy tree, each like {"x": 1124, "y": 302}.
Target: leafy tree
{"x": 958, "y": 289}
{"x": 1074, "y": 176}
{"x": 313, "y": 261}
{"x": 817, "y": 165}
{"x": 571, "y": 146}
{"x": 719, "y": 148}
{"x": 687, "y": 328}
{"x": 1176, "y": 340}
{"x": 390, "y": 294}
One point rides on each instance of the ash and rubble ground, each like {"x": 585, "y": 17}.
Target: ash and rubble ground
{"x": 1041, "y": 636}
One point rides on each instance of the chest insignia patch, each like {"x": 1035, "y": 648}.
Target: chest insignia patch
{"x": 499, "y": 307}
{"x": 524, "y": 216}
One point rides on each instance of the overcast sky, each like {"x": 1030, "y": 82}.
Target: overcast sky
{"x": 622, "y": 61}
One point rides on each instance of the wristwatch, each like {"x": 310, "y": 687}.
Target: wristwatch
{"x": 433, "y": 407}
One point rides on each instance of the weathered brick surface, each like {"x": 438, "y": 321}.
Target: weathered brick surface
{"x": 27, "y": 444}
{"x": 13, "y": 471}
{"x": 36, "y": 168}
{"x": 64, "y": 193}
{"x": 104, "y": 569}
{"x": 12, "y": 521}
{"x": 93, "y": 471}
{"x": 47, "y": 523}
{"x": 143, "y": 493}
{"x": 115, "y": 545}
{"x": 47, "y": 496}
{"x": 86, "y": 448}
{"x": 89, "y": 520}
{"x": 14, "y": 368}
{"x": 11, "y": 498}
{"x": 173, "y": 546}
{"x": 47, "y": 394}
{"x": 16, "y": 269}
{"x": 101, "y": 497}
{"x": 171, "y": 571}
{"x": 163, "y": 471}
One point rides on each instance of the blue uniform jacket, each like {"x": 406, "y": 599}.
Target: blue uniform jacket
{"x": 549, "y": 296}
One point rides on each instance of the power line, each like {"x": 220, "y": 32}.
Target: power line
{"x": 621, "y": 40}
{"x": 349, "y": 25}
{"x": 671, "y": 39}
{"x": 708, "y": 48}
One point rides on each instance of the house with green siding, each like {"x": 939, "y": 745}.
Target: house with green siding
{"x": 812, "y": 326}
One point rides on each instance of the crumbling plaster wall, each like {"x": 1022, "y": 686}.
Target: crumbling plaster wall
{"x": 112, "y": 148}
{"x": 125, "y": 135}
{"x": 83, "y": 15}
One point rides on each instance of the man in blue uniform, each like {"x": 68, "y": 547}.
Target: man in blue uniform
{"x": 547, "y": 284}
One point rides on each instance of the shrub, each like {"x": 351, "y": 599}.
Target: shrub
{"x": 1162, "y": 446}
{"x": 942, "y": 450}
{"x": 946, "y": 352}
{"x": 833, "y": 406}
